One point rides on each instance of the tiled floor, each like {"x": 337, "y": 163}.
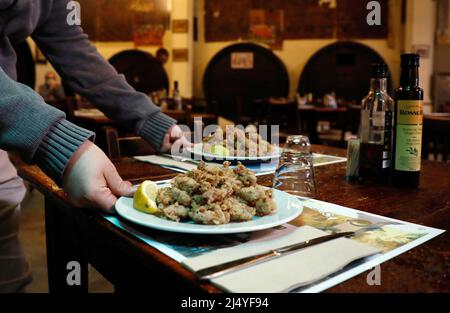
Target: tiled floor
{"x": 32, "y": 234}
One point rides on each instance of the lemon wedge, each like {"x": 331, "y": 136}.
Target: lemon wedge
{"x": 220, "y": 150}
{"x": 145, "y": 197}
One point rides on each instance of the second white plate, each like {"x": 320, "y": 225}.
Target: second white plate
{"x": 198, "y": 152}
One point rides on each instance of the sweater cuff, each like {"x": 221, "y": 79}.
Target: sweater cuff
{"x": 155, "y": 128}
{"x": 58, "y": 146}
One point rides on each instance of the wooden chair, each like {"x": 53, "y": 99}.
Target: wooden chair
{"x": 126, "y": 146}
{"x": 436, "y": 138}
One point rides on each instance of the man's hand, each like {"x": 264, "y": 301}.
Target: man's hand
{"x": 90, "y": 179}
{"x": 174, "y": 137}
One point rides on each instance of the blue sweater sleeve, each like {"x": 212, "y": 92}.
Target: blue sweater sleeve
{"x": 36, "y": 130}
{"x": 87, "y": 73}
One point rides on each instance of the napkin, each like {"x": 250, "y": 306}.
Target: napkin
{"x": 288, "y": 272}
{"x": 167, "y": 162}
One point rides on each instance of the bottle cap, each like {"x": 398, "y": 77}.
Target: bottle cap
{"x": 410, "y": 60}
{"x": 378, "y": 70}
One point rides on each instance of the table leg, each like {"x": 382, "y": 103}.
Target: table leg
{"x": 66, "y": 258}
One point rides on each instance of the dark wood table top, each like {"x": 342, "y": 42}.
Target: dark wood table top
{"x": 424, "y": 269}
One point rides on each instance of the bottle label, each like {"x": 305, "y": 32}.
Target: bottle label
{"x": 408, "y": 147}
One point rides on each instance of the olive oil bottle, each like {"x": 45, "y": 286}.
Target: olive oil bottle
{"x": 408, "y": 125}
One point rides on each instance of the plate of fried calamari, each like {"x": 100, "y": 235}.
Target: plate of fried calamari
{"x": 210, "y": 200}
{"x": 235, "y": 145}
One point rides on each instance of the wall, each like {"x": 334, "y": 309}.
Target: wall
{"x": 420, "y": 30}
{"x": 183, "y": 71}
{"x": 296, "y": 53}
{"x": 107, "y": 50}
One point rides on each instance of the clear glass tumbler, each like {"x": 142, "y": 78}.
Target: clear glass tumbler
{"x": 295, "y": 172}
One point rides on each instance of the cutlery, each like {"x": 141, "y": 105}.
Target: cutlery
{"x": 239, "y": 264}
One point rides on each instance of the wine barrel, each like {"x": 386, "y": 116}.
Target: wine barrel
{"x": 342, "y": 67}
{"x": 26, "y": 70}
{"x": 233, "y": 86}
{"x": 142, "y": 71}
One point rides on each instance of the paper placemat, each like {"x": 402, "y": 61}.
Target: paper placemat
{"x": 393, "y": 239}
{"x": 285, "y": 273}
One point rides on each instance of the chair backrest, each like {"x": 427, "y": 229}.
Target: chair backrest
{"x": 117, "y": 147}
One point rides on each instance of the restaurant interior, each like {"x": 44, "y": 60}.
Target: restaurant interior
{"x": 301, "y": 64}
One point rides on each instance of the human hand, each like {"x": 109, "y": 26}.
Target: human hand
{"x": 90, "y": 179}
{"x": 174, "y": 137}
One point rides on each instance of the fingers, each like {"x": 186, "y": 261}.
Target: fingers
{"x": 93, "y": 181}
{"x": 104, "y": 199}
{"x": 114, "y": 182}
{"x": 175, "y": 132}
{"x": 101, "y": 198}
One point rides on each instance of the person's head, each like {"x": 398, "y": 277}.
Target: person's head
{"x": 51, "y": 79}
{"x": 162, "y": 55}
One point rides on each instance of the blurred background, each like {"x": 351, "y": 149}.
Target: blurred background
{"x": 243, "y": 60}
{"x": 301, "y": 64}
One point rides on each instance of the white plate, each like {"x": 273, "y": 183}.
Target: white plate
{"x": 198, "y": 153}
{"x": 289, "y": 207}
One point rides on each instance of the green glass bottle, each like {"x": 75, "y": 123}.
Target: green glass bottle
{"x": 408, "y": 125}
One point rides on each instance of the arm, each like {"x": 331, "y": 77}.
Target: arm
{"x": 36, "y": 130}
{"x": 61, "y": 149}
{"x": 87, "y": 73}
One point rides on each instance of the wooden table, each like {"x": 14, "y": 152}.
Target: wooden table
{"x": 130, "y": 264}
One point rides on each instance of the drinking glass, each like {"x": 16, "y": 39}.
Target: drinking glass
{"x": 295, "y": 172}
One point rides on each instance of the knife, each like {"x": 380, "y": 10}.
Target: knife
{"x": 239, "y": 264}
